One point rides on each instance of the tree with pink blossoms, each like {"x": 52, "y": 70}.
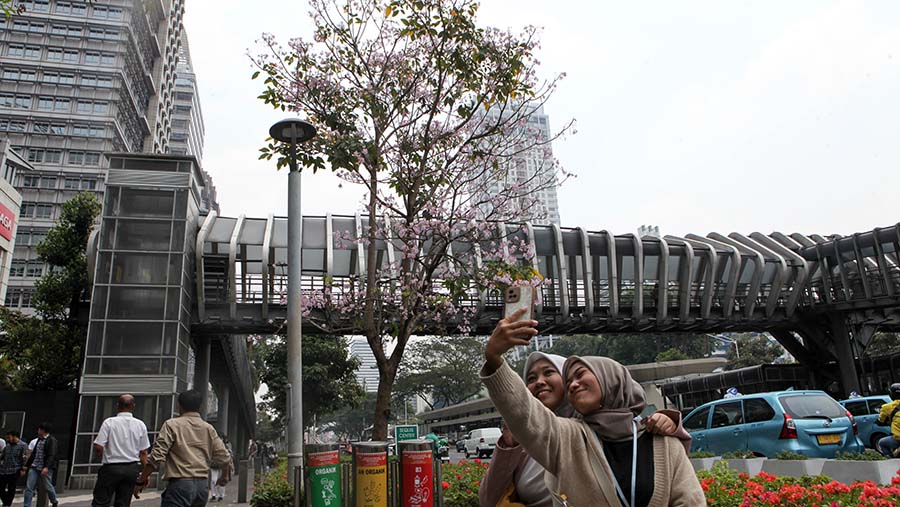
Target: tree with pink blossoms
{"x": 429, "y": 112}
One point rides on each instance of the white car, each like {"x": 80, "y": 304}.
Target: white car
{"x": 481, "y": 442}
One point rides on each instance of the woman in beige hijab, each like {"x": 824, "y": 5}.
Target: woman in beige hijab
{"x": 602, "y": 457}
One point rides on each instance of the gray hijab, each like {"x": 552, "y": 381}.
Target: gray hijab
{"x": 564, "y": 409}
{"x": 623, "y": 398}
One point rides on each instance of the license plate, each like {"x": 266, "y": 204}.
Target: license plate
{"x": 834, "y": 438}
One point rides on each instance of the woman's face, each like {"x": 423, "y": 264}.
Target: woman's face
{"x": 584, "y": 390}
{"x": 545, "y": 383}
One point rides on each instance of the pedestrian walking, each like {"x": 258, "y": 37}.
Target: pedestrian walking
{"x": 218, "y": 473}
{"x": 185, "y": 448}
{"x": 122, "y": 445}
{"x": 12, "y": 462}
{"x": 41, "y": 464}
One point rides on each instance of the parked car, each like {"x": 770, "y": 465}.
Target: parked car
{"x": 805, "y": 422}
{"x": 461, "y": 443}
{"x": 865, "y": 410}
{"x": 481, "y": 442}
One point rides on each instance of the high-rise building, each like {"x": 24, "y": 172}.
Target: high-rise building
{"x": 80, "y": 79}
{"x": 367, "y": 374}
{"x": 188, "y": 130}
{"x": 11, "y": 164}
{"x": 533, "y": 169}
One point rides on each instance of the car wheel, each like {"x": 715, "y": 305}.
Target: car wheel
{"x": 467, "y": 453}
{"x": 873, "y": 441}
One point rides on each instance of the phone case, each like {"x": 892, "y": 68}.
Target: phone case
{"x": 519, "y": 297}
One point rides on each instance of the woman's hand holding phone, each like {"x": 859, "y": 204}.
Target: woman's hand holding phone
{"x": 510, "y": 331}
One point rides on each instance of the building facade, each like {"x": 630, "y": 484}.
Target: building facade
{"x": 12, "y": 165}
{"x": 367, "y": 374}
{"x": 80, "y": 79}
{"x": 534, "y": 169}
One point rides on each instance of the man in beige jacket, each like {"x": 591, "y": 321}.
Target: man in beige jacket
{"x": 185, "y": 448}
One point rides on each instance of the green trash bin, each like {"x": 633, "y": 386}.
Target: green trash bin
{"x": 323, "y": 462}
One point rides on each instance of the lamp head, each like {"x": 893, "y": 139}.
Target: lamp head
{"x": 292, "y": 130}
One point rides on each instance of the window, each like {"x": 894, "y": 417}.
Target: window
{"x": 16, "y": 50}
{"x": 36, "y": 27}
{"x": 857, "y": 408}
{"x": 51, "y": 77}
{"x": 22, "y": 102}
{"x": 27, "y": 209}
{"x": 43, "y": 211}
{"x": 34, "y": 269}
{"x": 61, "y": 105}
{"x": 71, "y": 184}
{"x": 88, "y": 184}
{"x": 80, "y": 130}
{"x": 74, "y": 31}
{"x": 26, "y": 298}
{"x": 105, "y": 82}
{"x": 70, "y": 55}
{"x": 101, "y": 107}
{"x": 108, "y": 59}
{"x": 811, "y": 406}
{"x": 92, "y": 57}
{"x": 17, "y": 268}
{"x": 96, "y": 32}
{"x": 92, "y": 159}
{"x": 111, "y": 34}
{"x": 12, "y": 299}
{"x": 85, "y": 106}
{"x": 33, "y": 52}
{"x": 54, "y": 54}
{"x": 34, "y": 155}
{"x": 875, "y": 406}
{"x": 40, "y": 128}
{"x": 17, "y": 74}
{"x": 7, "y": 99}
{"x": 16, "y": 126}
{"x": 44, "y": 103}
{"x": 63, "y": 8}
{"x": 757, "y": 410}
{"x": 58, "y": 128}
{"x": 697, "y": 421}
{"x": 58, "y": 29}
{"x": 727, "y": 414}
{"x": 29, "y": 181}
{"x": 37, "y": 6}
{"x": 79, "y": 9}
{"x": 67, "y": 79}
{"x": 48, "y": 182}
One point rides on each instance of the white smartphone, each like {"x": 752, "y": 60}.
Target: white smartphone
{"x": 519, "y": 297}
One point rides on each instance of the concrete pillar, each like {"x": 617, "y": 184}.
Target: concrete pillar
{"x": 234, "y": 419}
{"x": 840, "y": 333}
{"x": 223, "y": 410}
{"x": 201, "y": 372}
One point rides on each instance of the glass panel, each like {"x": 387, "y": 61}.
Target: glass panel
{"x": 139, "y": 268}
{"x": 98, "y": 303}
{"x": 86, "y": 413}
{"x": 146, "y": 203}
{"x": 143, "y": 235}
{"x": 168, "y": 366}
{"x": 112, "y": 201}
{"x": 83, "y": 447}
{"x": 103, "y": 263}
{"x": 173, "y": 303}
{"x": 106, "y": 407}
{"x": 107, "y": 233}
{"x": 175, "y": 269}
{"x": 178, "y": 237}
{"x": 136, "y": 303}
{"x": 92, "y": 366}
{"x": 130, "y": 366}
{"x": 95, "y": 338}
{"x": 133, "y": 338}
{"x": 170, "y": 338}
{"x": 181, "y": 203}
{"x": 145, "y": 408}
{"x": 165, "y": 410}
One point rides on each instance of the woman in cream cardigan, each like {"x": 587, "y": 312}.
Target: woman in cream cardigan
{"x": 603, "y": 457}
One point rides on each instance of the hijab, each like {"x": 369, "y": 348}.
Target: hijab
{"x": 564, "y": 409}
{"x": 623, "y": 397}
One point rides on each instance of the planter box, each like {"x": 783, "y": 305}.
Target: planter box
{"x": 848, "y": 472}
{"x": 750, "y": 466}
{"x": 704, "y": 463}
{"x": 794, "y": 468}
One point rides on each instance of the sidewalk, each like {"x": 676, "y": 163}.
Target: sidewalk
{"x": 149, "y": 498}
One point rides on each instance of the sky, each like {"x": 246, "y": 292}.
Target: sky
{"x": 695, "y": 116}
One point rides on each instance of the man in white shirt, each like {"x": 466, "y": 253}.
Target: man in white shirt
{"x": 122, "y": 443}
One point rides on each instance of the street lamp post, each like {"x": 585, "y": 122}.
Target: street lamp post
{"x": 293, "y": 131}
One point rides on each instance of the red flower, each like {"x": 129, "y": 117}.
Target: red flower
{"x": 476, "y": 460}
{"x": 445, "y": 485}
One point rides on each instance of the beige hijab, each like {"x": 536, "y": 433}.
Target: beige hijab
{"x": 623, "y": 398}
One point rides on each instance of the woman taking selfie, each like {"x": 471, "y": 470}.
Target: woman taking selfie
{"x": 602, "y": 457}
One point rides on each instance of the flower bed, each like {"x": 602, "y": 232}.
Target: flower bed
{"x": 724, "y": 487}
{"x": 461, "y": 481}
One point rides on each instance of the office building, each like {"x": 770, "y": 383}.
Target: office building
{"x": 534, "y": 169}
{"x": 12, "y": 164}
{"x": 80, "y": 79}
{"x": 367, "y": 374}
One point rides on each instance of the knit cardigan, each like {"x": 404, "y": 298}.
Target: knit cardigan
{"x": 573, "y": 456}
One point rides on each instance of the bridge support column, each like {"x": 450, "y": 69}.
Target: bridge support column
{"x": 223, "y": 410}
{"x": 840, "y": 333}
{"x": 201, "y": 372}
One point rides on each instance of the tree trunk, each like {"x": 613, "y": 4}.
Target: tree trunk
{"x": 386, "y": 374}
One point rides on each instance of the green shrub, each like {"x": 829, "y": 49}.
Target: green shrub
{"x": 273, "y": 490}
{"x": 461, "y": 481}
{"x": 791, "y": 455}
{"x": 702, "y": 454}
{"x": 866, "y": 455}
{"x": 739, "y": 455}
